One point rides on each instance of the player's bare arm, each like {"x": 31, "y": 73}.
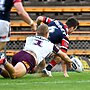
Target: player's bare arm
{"x": 20, "y": 10}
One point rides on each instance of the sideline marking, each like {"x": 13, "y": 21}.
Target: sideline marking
{"x": 59, "y": 82}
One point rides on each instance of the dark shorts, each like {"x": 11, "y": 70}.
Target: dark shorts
{"x": 25, "y": 58}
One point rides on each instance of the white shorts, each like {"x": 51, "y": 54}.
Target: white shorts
{"x": 4, "y": 31}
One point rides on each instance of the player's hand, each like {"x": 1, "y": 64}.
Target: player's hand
{"x": 34, "y": 26}
{"x": 66, "y": 75}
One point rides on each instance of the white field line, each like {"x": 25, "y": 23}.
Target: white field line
{"x": 56, "y": 82}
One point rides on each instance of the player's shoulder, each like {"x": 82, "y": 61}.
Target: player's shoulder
{"x": 30, "y": 37}
{"x": 57, "y": 21}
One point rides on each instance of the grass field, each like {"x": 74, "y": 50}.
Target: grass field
{"x": 76, "y": 81}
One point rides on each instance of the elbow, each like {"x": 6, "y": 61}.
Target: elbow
{"x": 39, "y": 18}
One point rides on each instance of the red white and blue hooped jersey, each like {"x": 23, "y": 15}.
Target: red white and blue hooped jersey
{"x": 5, "y": 8}
{"x": 58, "y": 33}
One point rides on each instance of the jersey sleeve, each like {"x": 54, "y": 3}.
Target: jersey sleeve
{"x": 55, "y": 49}
{"x": 47, "y": 20}
{"x": 64, "y": 45}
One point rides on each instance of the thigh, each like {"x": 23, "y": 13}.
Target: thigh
{"x": 40, "y": 67}
{"x": 20, "y": 70}
{"x": 5, "y": 73}
{"x": 25, "y": 58}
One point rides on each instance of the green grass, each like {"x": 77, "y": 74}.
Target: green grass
{"x": 76, "y": 81}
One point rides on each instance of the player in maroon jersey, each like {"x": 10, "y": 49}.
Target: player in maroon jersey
{"x": 35, "y": 50}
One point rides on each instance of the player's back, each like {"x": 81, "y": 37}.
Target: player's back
{"x": 39, "y": 45}
{"x": 57, "y": 31}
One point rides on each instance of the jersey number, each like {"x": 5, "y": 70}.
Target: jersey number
{"x": 2, "y": 5}
{"x": 52, "y": 29}
{"x": 38, "y": 42}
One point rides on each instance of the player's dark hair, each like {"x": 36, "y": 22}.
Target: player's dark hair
{"x": 72, "y": 22}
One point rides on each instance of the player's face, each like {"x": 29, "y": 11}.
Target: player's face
{"x": 72, "y": 29}
{"x": 75, "y": 28}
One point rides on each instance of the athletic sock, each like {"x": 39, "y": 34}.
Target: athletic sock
{"x": 51, "y": 65}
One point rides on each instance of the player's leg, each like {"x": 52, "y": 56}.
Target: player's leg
{"x": 52, "y": 63}
{"x": 4, "y": 73}
{"x": 4, "y": 62}
{"x": 7, "y": 66}
{"x": 22, "y": 65}
{"x": 40, "y": 67}
{"x": 10, "y": 68}
{"x": 20, "y": 70}
{"x": 64, "y": 68}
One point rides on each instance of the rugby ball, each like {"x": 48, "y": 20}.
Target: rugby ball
{"x": 76, "y": 64}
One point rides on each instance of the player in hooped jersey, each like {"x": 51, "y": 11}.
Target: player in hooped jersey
{"x": 35, "y": 50}
{"x": 58, "y": 34}
{"x": 5, "y": 8}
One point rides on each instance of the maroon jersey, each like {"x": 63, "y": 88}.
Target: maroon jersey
{"x": 5, "y": 8}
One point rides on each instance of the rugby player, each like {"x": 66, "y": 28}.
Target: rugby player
{"x": 59, "y": 34}
{"x": 5, "y": 8}
{"x": 35, "y": 50}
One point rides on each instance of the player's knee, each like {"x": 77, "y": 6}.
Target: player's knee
{"x": 13, "y": 76}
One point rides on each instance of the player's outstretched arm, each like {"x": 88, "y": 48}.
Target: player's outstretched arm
{"x": 64, "y": 56}
{"x": 24, "y": 15}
